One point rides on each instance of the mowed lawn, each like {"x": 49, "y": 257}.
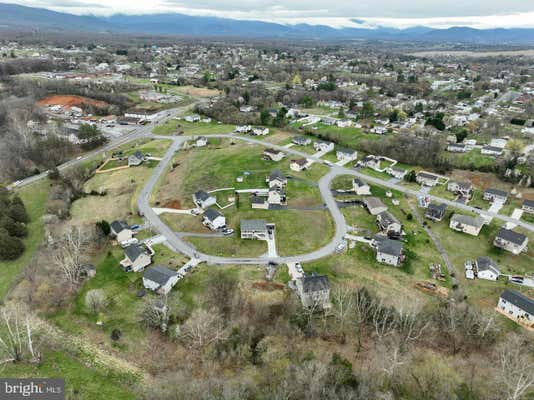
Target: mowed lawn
{"x": 34, "y": 197}
{"x": 154, "y": 147}
{"x": 174, "y": 127}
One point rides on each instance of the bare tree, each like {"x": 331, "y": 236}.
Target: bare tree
{"x": 344, "y": 302}
{"x": 69, "y": 257}
{"x": 156, "y": 314}
{"x": 96, "y": 300}
{"x": 410, "y": 325}
{"x": 384, "y": 320}
{"x": 201, "y": 329}
{"x": 20, "y": 338}
{"x": 516, "y": 368}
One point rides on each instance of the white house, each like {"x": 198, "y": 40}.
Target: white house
{"x": 491, "y": 151}
{"x": 374, "y": 205}
{"x": 528, "y": 206}
{"x": 466, "y": 224}
{"x": 213, "y": 219}
{"x": 192, "y": 118}
{"x": 323, "y": 146}
{"x": 313, "y": 291}
{"x": 346, "y": 154}
{"x": 517, "y": 307}
{"x": 201, "y": 141}
{"x": 465, "y": 189}
{"x": 135, "y": 258}
{"x": 255, "y": 229}
{"x": 300, "y": 165}
{"x": 487, "y": 269}
{"x": 160, "y": 279}
{"x": 396, "y": 172}
{"x": 301, "y": 140}
{"x": 389, "y": 251}
{"x": 273, "y": 155}
{"x": 243, "y": 128}
{"x": 260, "y": 131}
{"x": 203, "y": 200}
{"x": 495, "y": 195}
{"x": 388, "y": 223}
{"x": 511, "y": 241}
{"x": 426, "y": 179}
{"x": 121, "y": 231}
{"x": 361, "y": 188}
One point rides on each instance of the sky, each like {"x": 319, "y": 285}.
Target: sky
{"x": 339, "y": 13}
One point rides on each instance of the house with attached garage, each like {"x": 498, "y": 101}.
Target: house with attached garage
{"x": 203, "y": 199}
{"x": 121, "y": 231}
{"x": 466, "y": 224}
{"x": 511, "y": 241}
{"x": 136, "y": 159}
{"x": 192, "y": 118}
{"x": 273, "y": 155}
{"x": 160, "y": 279}
{"x": 388, "y": 224}
{"x": 360, "y": 187}
{"x": 276, "y": 196}
{"x": 517, "y": 307}
{"x": 201, "y": 141}
{"x": 300, "y": 165}
{"x": 255, "y": 229}
{"x": 213, "y": 219}
{"x": 301, "y": 140}
{"x": 396, "y": 172}
{"x": 426, "y": 179}
{"x": 374, "y": 205}
{"x": 464, "y": 189}
{"x": 388, "y": 251}
{"x": 370, "y": 161}
{"x": 495, "y": 195}
{"x": 491, "y": 151}
{"x": 276, "y": 178}
{"x": 487, "y": 269}
{"x": 259, "y": 131}
{"x": 436, "y": 212}
{"x": 343, "y": 154}
{"x": 313, "y": 291}
{"x": 136, "y": 258}
{"x": 323, "y": 146}
{"x": 528, "y": 206}
{"x": 243, "y": 128}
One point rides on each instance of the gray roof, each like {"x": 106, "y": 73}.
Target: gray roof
{"x": 301, "y": 139}
{"x": 428, "y": 176}
{"x": 159, "y": 274}
{"x": 519, "y": 300}
{"x": 462, "y": 185}
{"x": 487, "y": 264}
{"x": 386, "y": 218}
{"x": 212, "y": 214}
{"x": 119, "y": 226}
{"x": 133, "y": 252}
{"x": 345, "y": 150}
{"x": 511, "y": 236}
{"x": 468, "y": 220}
{"x": 201, "y": 195}
{"x": 492, "y": 148}
{"x": 388, "y": 246}
{"x": 272, "y": 151}
{"x": 257, "y": 199}
{"x": 277, "y": 174}
{"x": 373, "y": 202}
{"x": 528, "y": 203}
{"x": 359, "y": 182}
{"x": 315, "y": 283}
{"x": 436, "y": 209}
{"x": 497, "y": 192}
{"x": 256, "y": 225}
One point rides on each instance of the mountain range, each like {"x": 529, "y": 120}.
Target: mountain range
{"x": 18, "y": 17}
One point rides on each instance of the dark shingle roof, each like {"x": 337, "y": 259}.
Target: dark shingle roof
{"x": 201, "y": 195}
{"x": 212, "y": 214}
{"x": 519, "y": 300}
{"x": 528, "y": 203}
{"x": 119, "y": 226}
{"x": 276, "y": 174}
{"x": 159, "y": 274}
{"x": 386, "y": 218}
{"x": 497, "y": 192}
{"x": 133, "y": 252}
{"x": 315, "y": 283}
{"x": 487, "y": 264}
{"x": 511, "y": 236}
{"x": 257, "y": 225}
{"x": 388, "y": 246}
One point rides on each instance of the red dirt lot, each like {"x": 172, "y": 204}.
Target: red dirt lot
{"x": 70, "y": 101}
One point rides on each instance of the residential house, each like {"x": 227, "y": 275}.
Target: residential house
{"x": 243, "y": 128}
{"x": 466, "y": 224}
{"x": 487, "y": 269}
{"x": 160, "y": 279}
{"x": 457, "y": 148}
{"x": 213, "y": 219}
{"x": 464, "y": 189}
{"x": 313, "y": 291}
{"x": 361, "y": 188}
{"x": 246, "y": 109}
{"x": 495, "y": 195}
{"x": 374, "y": 205}
{"x": 491, "y": 151}
{"x": 389, "y": 251}
{"x": 203, "y": 200}
{"x": 255, "y": 229}
{"x": 343, "y": 154}
{"x": 136, "y": 258}
{"x": 396, "y": 172}
{"x": 388, "y": 223}
{"x": 273, "y": 155}
{"x": 426, "y": 179}
{"x": 259, "y": 131}
{"x": 323, "y": 146}
{"x": 435, "y": 212}
{"x": 301, "y": 140}
{"x": 301, "y": 164}
{"x": 528, "y": 206}
{"x": 276, "y": 178}
{"x": 259, "y": 202}
{"x": 517, "y": 306}
{"x": 277, "y": 195}
{"x": 201, "y": 141}
{"x": 379, "y": 130}
{"x": 192, "y": 118}
{"x": 136, "y": 159}
{"x": 121, "y": 231}
{"x": 511, "y": 241}
{"x": 370, "y": 161}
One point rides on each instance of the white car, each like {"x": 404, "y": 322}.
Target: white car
{"x": 129, "y": 242}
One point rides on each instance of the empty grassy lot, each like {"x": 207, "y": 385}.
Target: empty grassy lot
{"x": 154, "y": 147}
{"x": 472, "y": 159}
{"x": 34, "y": 197}
{"x": 345, "y": 137}
{"x": 174, "y": 127}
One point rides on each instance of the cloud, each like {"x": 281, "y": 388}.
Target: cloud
{"x": 341, "y": 13}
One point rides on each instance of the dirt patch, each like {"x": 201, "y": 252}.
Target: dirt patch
{"x": 199, "y": 92}
{"x": 70, "y": 101}
{"x": 173, "y": 204}
{"x": 485, "y": 180}
{"x": 268, "y": 286}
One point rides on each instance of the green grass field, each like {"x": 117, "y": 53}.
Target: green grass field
{"x": 345, "y": 137}
{"x": 470, "y": 160}
{"x": 173, "y": 127}
{"x": 34, "y": 197}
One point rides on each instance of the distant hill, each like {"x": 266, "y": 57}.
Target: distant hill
{"x": 29, "y": 18}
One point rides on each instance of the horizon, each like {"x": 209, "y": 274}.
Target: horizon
{"x": 415, "y": 14}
